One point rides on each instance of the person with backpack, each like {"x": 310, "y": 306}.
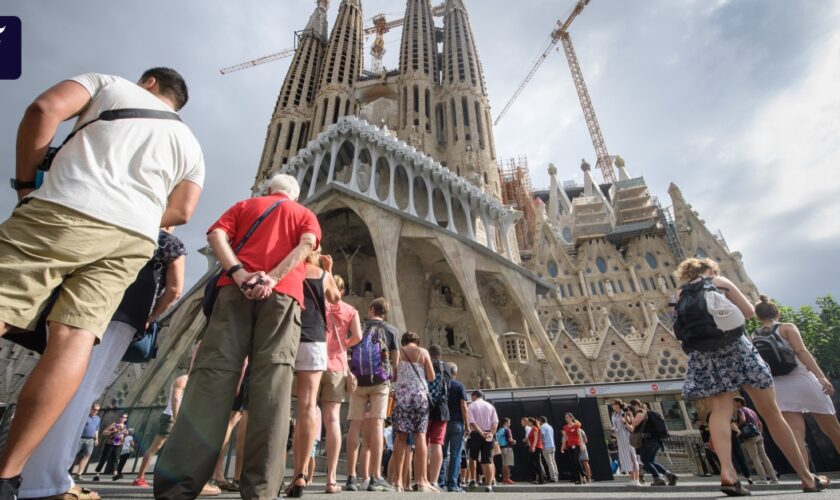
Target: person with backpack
{"x": 750, "y": 430}
{"x": 709, "y": 321}
{"x": 504, "y": 437}
{"x": 411, "y": 411}
{"x": 805, "y": 388}
{"x": 438, "y": 412}
{"x": 651, "y": 426}
{"x": 370, "y": 362}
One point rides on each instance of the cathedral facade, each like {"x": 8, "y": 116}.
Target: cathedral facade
{"x": 400, "y": 168}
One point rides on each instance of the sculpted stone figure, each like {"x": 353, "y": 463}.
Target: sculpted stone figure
{"x": 462, "y": 343}
{"x": 609, "y": 287}
{"x": 663, "y": 287}
{"x": 458, "y": 301}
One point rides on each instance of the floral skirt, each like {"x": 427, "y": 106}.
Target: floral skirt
{"x": 725, "y": 370}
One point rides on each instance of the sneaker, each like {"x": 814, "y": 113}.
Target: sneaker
{"x": 760, "y": 481}
{"x": 658, "y": 482}
{"x": 455, "y": 489}
{"x": 471, "y": 485}
{"x": 232, "y": 486}
{"x": 672, "y": 479}
{"x": 96, "y": 477}
{"x": 508, "y": 481}
{"x": 9, "y": 488}
{"x": 140, "y": 482}
{"x": 117, "y": 477}
{"x": 772, "y": 481}
{"x": 379, "y": 484}
{"x": 351, "y": 485}
{"x": 488, "y": 489}
{"x": 632, "y": 483}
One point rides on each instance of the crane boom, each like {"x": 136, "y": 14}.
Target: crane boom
{"x": 561, "y": 33}
{"x": 604, "y": 160}
{"x": 257, "y": 62}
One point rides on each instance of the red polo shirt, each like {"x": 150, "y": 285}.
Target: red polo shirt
{"x": 273, "y": 240}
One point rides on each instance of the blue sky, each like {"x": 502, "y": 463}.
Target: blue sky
{"x": 737, "y": 102}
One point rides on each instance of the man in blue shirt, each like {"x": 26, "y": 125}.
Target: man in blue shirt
{"x": 547, "y": 434}
{"x": 89, "y": 439}
{"x": 450, "y": 472}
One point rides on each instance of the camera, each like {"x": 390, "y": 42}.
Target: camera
{"x": 48, "y": 158}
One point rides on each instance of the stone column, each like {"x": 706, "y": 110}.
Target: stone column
{"x": 462, "y": 263}
{"x": 451, "y": 225}
{"x": 354, "y": 169}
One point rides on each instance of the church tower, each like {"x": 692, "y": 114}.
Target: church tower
{"x": 291, "y": 122}
{"x": 341, "y": 67}
{"x": 471, "y": 151}
{"x": 418, "y": 108}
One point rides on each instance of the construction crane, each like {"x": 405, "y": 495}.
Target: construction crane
{"x": 561, "y": 34}
{"x": 380, "y": 27}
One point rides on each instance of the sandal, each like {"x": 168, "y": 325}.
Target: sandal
{"x": 820, "y": 483}
{"x": 296, "y": 490}
{"x": 332, "y": 488}
{"x": 75, "y": 493}
{"x": 734, "y": 490}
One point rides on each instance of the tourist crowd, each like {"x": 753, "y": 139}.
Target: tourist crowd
{"x": 91, "y": 254}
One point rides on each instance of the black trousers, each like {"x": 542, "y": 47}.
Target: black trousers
{"x": 122, "y": 461}
{"x": 574, "y": 463}
{"x": 536, "y": 463}
{"x": 109, "y": 457}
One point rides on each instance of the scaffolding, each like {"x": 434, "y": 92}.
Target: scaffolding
{"x": 517, "y": 193}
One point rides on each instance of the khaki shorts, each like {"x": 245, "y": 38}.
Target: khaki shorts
{"x": 377, "y": 395}
{"x": 332, "y": 387}
{"x": 507, "y": 457}
{"x": 44, "y": 245}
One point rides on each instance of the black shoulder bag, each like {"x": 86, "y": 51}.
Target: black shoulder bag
{"x": 211, "y": 292}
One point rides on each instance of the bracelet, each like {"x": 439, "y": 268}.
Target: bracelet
{"x": 230, "y": 272}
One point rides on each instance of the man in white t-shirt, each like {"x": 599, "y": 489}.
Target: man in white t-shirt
{"x": 88, "y": 229}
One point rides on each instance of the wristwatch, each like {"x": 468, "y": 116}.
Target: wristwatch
{"x": 18, "y": 185}
{"x": 236, "y": 267}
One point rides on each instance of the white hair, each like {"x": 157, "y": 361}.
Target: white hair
{"x": 286, "y": 184}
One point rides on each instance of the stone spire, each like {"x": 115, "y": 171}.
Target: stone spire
{"x": 464, "y": 98}
{"x": 291, "y": 122}
{"x": 418, "y": 76}
{"x": 341, "y": 67}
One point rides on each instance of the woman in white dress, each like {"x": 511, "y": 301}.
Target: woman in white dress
{"x": 805, "y": 389}
{"x": 621, "y": 423}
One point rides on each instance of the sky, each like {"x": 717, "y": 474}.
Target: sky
{"x": 735, "y": 101}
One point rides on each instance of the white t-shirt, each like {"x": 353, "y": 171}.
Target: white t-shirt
{"x": 126, "y": 446}
{"x": 121, "y": 172}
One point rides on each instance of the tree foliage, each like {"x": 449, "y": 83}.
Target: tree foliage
{"x": 820, "y": 329}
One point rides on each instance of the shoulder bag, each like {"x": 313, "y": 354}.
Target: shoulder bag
{"x": 350, "y": 381}
{"x": 211, "y": 291}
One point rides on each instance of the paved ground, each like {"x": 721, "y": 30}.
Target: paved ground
{"x": 688, "y": 488}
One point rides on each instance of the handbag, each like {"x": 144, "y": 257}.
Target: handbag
{"x": 143, "y": 349}
{"x": 211, "y": 291}
{"x": 748, "y": 431}
{"x": 636, "y": 440}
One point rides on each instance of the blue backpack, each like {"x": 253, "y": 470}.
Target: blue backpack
{"x": 501, "y": 437}
{"x": 369, "y": 359}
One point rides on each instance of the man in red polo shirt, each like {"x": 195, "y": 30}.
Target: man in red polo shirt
{"x": 256, "y": 315}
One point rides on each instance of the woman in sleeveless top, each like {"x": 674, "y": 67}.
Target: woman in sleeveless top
{"x": 411, "y": 409}
{"x": 806, "y": 389}
{"x": 311, "y": 360}
{"x": 344, "y": 330}
{"x": 720, "y": 373}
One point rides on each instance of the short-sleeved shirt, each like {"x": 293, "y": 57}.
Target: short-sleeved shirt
{"x": 751, "y": 417}
{"x": 273, "y": 240}
{"x": 547, "y": 435}
{"x": 91, "y": 427}
{"x": 535, "y": 440}
{"x": 126, "y": 446}
{"x": 339, "y": 318}
{"x": 116, "y": 438}
{"x": 440, "y": 411}
{"x": 457, "y": 393}
{"x": 572, "y": 435}
{"x": 388, "y": 432}
{"x": 390, "y": 332}
{"x": 121, "y": 172}
{"x": 483, "y": 414}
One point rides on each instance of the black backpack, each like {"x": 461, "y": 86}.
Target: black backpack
{"x": 694, "y": 326}
{"x": 774, "y": 351}
{"x": 655, "y": 425}
{"x": 439, "y": 387}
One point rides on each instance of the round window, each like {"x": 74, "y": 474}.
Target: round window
{"x": 651, "y": 260}
{"x": 601, "y": 265}
{"x": 552, "y": 269}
